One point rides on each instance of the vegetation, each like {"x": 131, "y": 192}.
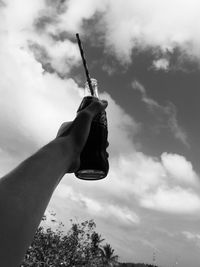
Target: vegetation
{"x": 80, "y": 246}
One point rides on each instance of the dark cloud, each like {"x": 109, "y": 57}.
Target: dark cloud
{"x": 58, "y": 5}
{"x": 183, "y": 61}
{"x": 165, "y": 114}
{"x": 62, "y": 36}
{"x": 49, "y": 15}
{"x": 42, "y": 22}
{"x": 42, "y": 56}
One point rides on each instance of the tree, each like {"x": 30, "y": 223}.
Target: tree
{"x": 109, "y": 259}
{"x": 80, "y": 246}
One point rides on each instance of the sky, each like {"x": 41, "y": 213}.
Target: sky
{"x": 146, "y": 58}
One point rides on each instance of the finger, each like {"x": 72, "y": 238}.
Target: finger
{"x": 85, "y": 116}
{"x": 96, "y": 106}
{"x": 80, "y": 127}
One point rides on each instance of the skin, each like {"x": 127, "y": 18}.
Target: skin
{"x": 25, "y": 192}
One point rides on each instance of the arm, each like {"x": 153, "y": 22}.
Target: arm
{"x": 25, "y": 192}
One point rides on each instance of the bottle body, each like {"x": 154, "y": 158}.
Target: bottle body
{"x": 94, "y": 163}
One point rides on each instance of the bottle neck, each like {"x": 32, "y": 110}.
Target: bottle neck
{"x": 94, "y": 88}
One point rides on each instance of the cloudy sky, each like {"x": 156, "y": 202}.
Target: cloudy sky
{"x": 145, "y": 55}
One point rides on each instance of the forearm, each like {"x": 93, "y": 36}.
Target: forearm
{"x": 24, "y": 196}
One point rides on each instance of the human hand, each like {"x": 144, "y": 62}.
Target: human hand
{"x": 74, "y": 134}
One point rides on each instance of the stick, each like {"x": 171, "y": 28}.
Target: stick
{"x": 84, "y": 64}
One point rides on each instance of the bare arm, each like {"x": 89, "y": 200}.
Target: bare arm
{"x": 25, "y": 192}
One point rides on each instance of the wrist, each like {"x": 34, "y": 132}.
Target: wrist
{"x": 66, "y": 153}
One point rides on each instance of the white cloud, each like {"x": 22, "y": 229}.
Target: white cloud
{"x": 161, "y": 64}
{"x": 142, "y": 173}
{"x": 157, "y": 184}
{"x": 192, "y": 237}
{"x": 178, "y": 131}
{"x": 153, "y": 23}
{"x": 123, "y": 214}
{"x": 55, "y": 56}
{"x": 179, "y": 168}
{"x": 96, "y": 208}
{"x": 20, "y": 15}
{"x": 121, "y": 127}
{"x": 174, "y": 200}
{"x": 33, "y": 97}
{"x": 78, "y": 11}
{"x": 151, "y": 103}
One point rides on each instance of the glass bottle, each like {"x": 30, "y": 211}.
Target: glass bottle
{"x": 94, "y": 163}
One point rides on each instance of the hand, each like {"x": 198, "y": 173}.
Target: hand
{"x": 76, "y": 132}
